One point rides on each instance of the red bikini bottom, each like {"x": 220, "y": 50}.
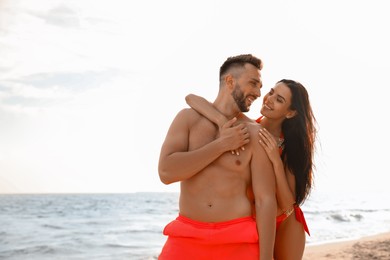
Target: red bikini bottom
{"x": 298, "y": 215}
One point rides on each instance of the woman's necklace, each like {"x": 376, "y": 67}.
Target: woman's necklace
{"x": 279, "y": 140}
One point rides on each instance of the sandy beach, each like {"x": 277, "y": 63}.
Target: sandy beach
{"x": 372, "y": 247}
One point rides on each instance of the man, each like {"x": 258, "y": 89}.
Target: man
{"x": 217, "y": 215}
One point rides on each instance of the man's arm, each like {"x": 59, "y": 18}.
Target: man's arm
{"x": 177, "y": 163}
{"x": 263, "y": 183}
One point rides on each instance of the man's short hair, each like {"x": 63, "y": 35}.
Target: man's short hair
{"x": 239, "y": 61}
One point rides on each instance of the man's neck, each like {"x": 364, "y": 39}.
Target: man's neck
{"x": 227, "y": 110}
{"x": 238, "y": 115}
{"x": 225, "y": 104}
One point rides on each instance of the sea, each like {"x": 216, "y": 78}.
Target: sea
{"x": 129, "y": 226}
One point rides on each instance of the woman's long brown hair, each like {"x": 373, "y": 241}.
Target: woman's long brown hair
{"x": 299, "y": 136}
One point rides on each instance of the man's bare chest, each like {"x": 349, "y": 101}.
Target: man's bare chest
{"x": 233, "y": 162}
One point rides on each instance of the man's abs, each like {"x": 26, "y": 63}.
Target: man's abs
{"x": 215, "y": 197}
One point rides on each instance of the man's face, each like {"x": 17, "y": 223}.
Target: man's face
{"x": 247, "y": 88}
{"x": 240, "y": 99}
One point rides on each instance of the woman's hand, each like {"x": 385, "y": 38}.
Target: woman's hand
{"x": 270, "y": 145}
{"x": 235, "y": 136}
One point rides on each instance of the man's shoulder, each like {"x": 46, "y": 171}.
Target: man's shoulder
{"x": 245, "y": 119}
{"x": 253, "y": 126}
{"x": 188, "y": 115}
{"x": 189, "y": 112}
{"x": 253, "y": 129}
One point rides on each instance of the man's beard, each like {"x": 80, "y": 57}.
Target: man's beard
{"x": 238, "y": 96}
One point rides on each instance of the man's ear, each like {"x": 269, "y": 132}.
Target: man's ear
{"x": 291, "y": 114}
{"x": 229, "y": 81}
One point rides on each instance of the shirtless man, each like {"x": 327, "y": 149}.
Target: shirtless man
{"x": 227, "y": 205}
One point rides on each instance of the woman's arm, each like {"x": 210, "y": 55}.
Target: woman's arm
{"x": 205, "y": 108}
{"x": 284, "y": 193}
{"x": 264, "y": 190}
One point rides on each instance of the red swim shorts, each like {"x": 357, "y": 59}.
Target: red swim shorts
{"x": 229, "y": 240}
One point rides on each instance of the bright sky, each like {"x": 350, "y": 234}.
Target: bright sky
{"x": 89, "y": 88}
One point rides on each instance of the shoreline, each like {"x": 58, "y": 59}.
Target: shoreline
{"x": 369, "y": 247}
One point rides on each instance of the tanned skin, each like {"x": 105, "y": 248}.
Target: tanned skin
{"x": 216, "y": 185}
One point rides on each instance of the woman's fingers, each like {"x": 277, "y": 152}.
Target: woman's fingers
{"x": 237, "y": 151}
{"x": 267, "y": 138}
{"x": 264, "y": 137}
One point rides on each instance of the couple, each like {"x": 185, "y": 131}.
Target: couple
{"x": 242, "y": 180}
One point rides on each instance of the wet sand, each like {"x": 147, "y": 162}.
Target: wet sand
{"x": 372, "y": 247}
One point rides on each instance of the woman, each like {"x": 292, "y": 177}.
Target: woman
{"x": 288, "y": 136}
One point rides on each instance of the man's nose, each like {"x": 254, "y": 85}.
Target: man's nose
{"x": 258, "y": 93}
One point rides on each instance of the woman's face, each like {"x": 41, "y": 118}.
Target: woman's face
{"x": 277, "y": 102}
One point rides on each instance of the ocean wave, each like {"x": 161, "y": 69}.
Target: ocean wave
{"x": 47, "y": 250}
{"x": 143, "y": 231}
{"x": 126, "y": 231}
{"x": 52, "y": 226}
{"x": 41, "y": 249}
{"x": 346, "y": 217}
{"x": 120, "y": 246}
